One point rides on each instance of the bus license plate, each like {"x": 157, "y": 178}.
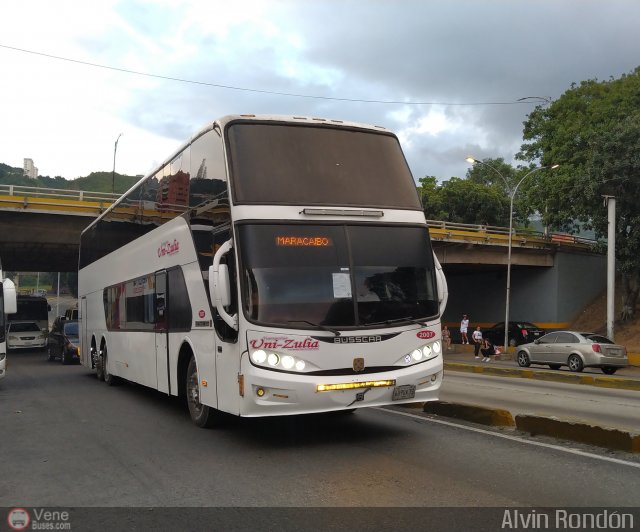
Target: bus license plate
{"x": 407, "y": 391}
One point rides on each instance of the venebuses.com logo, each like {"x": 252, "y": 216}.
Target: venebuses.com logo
{"x": 38, "y": 519}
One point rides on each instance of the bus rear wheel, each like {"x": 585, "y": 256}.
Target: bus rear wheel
{"x": 203, "y": 416}
{"x": 100, "y": 367}
{"x": 108, "y": 378}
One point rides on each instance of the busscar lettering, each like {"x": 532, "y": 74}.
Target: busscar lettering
{"x": 303, "y": 241}
{"x": 356, "y": 339}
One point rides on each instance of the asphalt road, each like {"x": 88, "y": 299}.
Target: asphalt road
{"x": 69, "y": 440}
{"x": 605, "y": 407}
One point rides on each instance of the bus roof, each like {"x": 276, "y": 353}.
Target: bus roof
{"x": 222, "y": 122}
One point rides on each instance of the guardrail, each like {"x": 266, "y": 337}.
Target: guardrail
{"x": 71, "y": 202}
{"x": 92, "y": 203}
{"x": 495, "y": 235}
{"x": 59, "y": 193}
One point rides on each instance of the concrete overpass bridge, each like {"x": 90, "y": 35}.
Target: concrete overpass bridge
{"x": 40, "y": 230}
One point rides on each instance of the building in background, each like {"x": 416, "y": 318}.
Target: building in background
{"x": 30, "y": 169}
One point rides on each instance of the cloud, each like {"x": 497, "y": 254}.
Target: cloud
{"x": 456, "y": 53}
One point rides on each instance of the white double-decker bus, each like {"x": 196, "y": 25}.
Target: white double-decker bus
{"x": 271, "y": 266}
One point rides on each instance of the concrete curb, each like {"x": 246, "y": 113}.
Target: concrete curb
{"x": 581, "y": 432}
{"x": 538, "y": 425}
{"x": 619, "y": 383}
{"x": 477, "y": 414}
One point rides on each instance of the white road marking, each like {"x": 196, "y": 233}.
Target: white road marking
{"x": 513, "y": 438}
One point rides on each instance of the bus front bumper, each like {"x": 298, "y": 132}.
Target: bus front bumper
{"x": 270, "y": 393}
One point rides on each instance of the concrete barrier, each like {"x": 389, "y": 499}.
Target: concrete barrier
{"x": 477, "y": 414}
{"x": 580, "y": 432}
{"x": 619, "y": 383}
{"x": 577, "y": 431}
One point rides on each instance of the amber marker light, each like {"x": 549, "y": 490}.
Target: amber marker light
{"x": 355, "y": 385}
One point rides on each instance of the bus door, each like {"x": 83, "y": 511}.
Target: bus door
{"x": 161, "y": 300}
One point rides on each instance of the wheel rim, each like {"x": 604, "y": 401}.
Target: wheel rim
{"x": 193, "y": 393}
{"x": 522, "y": 359}
{"x": 574, "y": 363}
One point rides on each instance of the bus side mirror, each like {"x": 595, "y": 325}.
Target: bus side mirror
{"x": 9, "y": 296}
{"x": 223, "y": 288}
{"x": 442, "y": 287}
{"x": 220, "y": 285}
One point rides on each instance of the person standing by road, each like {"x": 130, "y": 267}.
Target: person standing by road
{"x": 446, "y": 337}
{"x": 464, "y": 326}
{"x": 477, "y": 341}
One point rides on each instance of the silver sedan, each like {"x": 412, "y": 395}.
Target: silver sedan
{"x": 578, "y": 350}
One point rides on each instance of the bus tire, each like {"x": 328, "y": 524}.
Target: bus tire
{"x": 108, "y": 377}
{"x": 203, "y": 416}
{"x": 100, "y": 367}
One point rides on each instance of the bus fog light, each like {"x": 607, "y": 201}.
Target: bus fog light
{"x": 259, "y": 356}
{"x": 434, "y": 377}
{"x": 288, "y": 362}
{"x": 260, "y": 392}
{"x": 273, "y": 359}
{"x": 416, "y": 354}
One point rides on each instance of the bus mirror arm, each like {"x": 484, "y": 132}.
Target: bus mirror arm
{"x": 220, "y": 285}
{"x": 441, "y": 281}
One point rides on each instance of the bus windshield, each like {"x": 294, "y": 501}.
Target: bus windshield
{"x": 336, "y": 275}
{"x": 280, "y": 164}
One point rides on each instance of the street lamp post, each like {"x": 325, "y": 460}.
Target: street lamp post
{"x": 113, "y": 173}
{"x": 512, "y": 194}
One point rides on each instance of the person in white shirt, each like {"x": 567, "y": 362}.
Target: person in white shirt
{"x": 464, "y": 325}
{"x": 477, "y": 340}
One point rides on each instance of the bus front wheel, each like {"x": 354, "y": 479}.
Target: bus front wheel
{"x": 202, "y": 415}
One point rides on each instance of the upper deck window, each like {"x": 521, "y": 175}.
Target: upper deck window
{"x": 273, "y": 163}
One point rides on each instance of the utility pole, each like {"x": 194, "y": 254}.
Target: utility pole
{"x": 610, "y": 202}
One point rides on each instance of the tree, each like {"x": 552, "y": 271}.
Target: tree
{"x": 464, "y": 201}
{"x": 593, "y": 132}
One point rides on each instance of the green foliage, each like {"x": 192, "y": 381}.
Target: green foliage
{"x": 567, "y": 133}
{"x": 593, "y": 132}
{"x": 464, "y": 201}
{"x": 94, "y": 182}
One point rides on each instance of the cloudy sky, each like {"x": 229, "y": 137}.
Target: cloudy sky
{"x": 446, "y": 75}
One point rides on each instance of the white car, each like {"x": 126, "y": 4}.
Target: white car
{"x": 3, "y": 365}
{"x": 25, "y": 335}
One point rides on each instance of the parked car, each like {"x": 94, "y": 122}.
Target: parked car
{"x": 25, "y": 335}
{"x": 64, "y": 341}
{"x": 578, "y": 350}
{"x": 520, "y": 332}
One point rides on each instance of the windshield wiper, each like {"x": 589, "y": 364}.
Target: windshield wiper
{"x": 398, "y": 320}
{"x": 323, "y": 327}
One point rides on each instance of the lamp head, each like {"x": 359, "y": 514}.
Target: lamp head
{"x": 471, "y": 160}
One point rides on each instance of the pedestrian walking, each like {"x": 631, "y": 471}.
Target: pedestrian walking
{"x": 487, "y": 350}
{"x": 477, "y": 341}
{"x": 446, "y": 337}
{"x": 464, "y": 325}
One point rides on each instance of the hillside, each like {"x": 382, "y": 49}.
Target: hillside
{"x": 594, "y": 319}
{"x": 95, "y": 181}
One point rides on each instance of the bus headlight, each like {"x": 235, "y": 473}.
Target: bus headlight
{"x": 421, "y": 354}
{"x": 273, "y": 360}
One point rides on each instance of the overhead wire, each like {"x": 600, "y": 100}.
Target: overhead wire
{"x": 527, "y": 100}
